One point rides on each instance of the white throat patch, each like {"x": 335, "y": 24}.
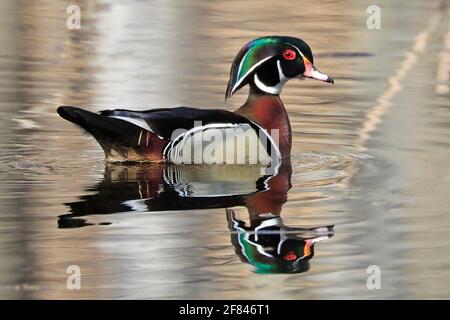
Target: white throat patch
{"x": 276, "y": 89}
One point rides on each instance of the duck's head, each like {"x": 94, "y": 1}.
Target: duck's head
{"x": 267, "y": 63}
{"x": 273, "y": 247}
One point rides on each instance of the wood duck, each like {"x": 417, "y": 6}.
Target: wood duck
{"x": 273, "y": 247}
{"x": 263, "y": 241}
{"x": 148, "y": 187}
{"x": 168, "y": 134}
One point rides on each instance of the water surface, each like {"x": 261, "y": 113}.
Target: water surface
{"x": 368, "y": 181}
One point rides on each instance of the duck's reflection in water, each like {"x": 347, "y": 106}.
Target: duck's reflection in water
{"x": 265, "y": 241}
{"x": 271, "y": 246}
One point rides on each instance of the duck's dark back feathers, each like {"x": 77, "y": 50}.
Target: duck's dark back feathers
{"x": 107, "y": 131}
{"x": 164, "y": 121}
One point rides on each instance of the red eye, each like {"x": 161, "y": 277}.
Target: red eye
{"x": 289, "y": 54}
{"x": 290, "y": 256}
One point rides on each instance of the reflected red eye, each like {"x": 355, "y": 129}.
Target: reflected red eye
{"x": 290, "y": 256}
{"x": 289, "y": 54}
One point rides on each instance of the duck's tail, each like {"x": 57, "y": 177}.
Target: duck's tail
{"x": 110, "y": 133}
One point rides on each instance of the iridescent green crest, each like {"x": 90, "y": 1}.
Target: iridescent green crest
{"x": 255, "y": 53}
{"x": 249, "y": 57}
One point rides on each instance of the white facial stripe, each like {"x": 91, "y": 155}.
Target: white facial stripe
{"x": 242, "y": 62}
{"x": 248, "y": 72}
{"x": 261, "y": 86}
{"x": 276, "y": 221}
{"x": 276, "y": 89}
{"x": 280, "y": 73}
{"x": 301, "y": 53}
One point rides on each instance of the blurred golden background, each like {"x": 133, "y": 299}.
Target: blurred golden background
{"x": 370, "y": 154}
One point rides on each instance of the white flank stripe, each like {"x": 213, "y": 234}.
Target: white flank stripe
{"x": 172, "y": 149}
{"x": 136, "y": 121}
